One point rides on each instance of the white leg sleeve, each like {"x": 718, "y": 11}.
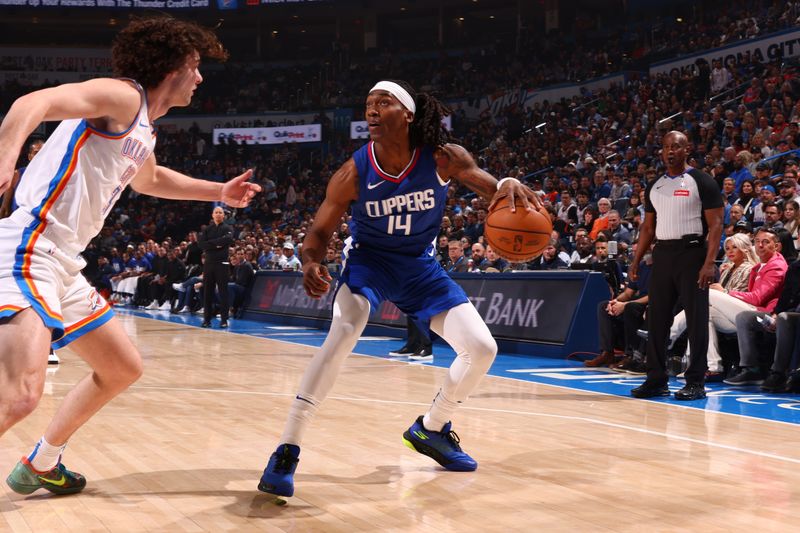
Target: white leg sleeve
{"x": 464, "y": 329}
{"x": 350, "y": 314}
{"x": 713, "y": 356}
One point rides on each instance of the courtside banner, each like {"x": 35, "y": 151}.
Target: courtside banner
{"x": 129, "y": 4}
{"x": 40, "y": 64}
{"x": 522, "y": 306}
{"x": 309, "y": 133}
{"x": 779, "y": 45}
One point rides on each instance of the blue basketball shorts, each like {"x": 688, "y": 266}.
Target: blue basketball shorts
{"x": 418, "y": 286}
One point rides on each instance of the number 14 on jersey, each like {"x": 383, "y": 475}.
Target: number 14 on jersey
{"x": 399, "y": 225}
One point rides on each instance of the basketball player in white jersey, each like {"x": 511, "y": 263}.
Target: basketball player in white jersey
{"x": 104, "y": 143}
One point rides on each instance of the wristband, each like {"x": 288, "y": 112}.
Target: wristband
{"x": 500, "y": 183}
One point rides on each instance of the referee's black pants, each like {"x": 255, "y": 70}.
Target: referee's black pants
{"x": 215, "y": 275}
{"x": 676, "y": 268}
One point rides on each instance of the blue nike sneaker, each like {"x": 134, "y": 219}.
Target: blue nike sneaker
{"x": 441, "y": 446}
{"x": 278, "y": 477}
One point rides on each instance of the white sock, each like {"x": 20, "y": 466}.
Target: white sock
{"x": 45, "y": 456}
{"x": 439, "y": 413}
{"x": 301, "y": 413}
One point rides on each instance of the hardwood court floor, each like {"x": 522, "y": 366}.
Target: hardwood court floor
{"x": 183, "y": 449}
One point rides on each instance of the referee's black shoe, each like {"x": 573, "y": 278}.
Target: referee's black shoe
{"x": 650, "y": 390}
{"x": 691, "y": 391}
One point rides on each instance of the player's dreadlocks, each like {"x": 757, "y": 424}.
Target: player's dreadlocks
{"x": 427, "y": 128}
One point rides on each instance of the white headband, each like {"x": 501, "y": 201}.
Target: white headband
{"x": 398, "y": 92}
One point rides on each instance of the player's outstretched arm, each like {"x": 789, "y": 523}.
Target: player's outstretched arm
{"x": 155, "y": 180}
{"x": 113, "y": 100}
{"x": 341, "y": 191}
{"x": 455, "y": 162}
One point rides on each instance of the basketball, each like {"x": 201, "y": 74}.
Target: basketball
{"x": 519, "y": 235}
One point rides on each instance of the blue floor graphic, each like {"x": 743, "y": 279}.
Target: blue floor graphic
{"x": 744, "y": 401}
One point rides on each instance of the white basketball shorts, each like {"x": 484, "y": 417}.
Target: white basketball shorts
{"x": 35, "y": 273}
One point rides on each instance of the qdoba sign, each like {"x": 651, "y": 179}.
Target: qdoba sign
{"x": 283, "y": 134}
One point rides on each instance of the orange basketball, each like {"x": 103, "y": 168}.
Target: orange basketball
{"x": 517, "y": 236}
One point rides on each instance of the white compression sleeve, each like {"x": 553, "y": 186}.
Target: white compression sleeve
{"x": 464, "y": 329}
{"x": 350, "y": 314}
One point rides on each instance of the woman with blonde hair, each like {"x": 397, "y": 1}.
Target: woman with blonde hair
{"x": 740, "y": 258}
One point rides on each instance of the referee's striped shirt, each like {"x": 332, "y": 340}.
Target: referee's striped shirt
{"x": 679, "y": 201}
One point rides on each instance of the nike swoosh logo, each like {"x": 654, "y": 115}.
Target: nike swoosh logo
{"x": 143, "y": 125}
{"x": 659, "y": 186}
{"x": 56, "y": 482}
{"x": 371, "y": 186}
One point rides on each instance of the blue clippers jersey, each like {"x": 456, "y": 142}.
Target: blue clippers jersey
{"x": 400, "y": 214}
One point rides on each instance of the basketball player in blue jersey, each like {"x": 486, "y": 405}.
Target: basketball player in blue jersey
{"x": 396, "y": 186}
{"x": 104, "y": 143}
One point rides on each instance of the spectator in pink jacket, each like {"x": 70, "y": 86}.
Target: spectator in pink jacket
{"x": 763, "y": 289}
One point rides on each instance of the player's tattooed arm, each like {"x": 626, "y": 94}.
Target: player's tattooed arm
{"x": 455, "y": 162}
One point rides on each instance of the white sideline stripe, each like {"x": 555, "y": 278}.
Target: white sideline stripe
{"x": 490, "y": 410}
{"x": 296, "y": 334}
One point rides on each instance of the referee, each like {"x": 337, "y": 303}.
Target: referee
{"x": 214, "y": 240}
{"x": 683, "y": 210}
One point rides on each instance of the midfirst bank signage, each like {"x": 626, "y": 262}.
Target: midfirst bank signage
{"x": 514, "y": 307}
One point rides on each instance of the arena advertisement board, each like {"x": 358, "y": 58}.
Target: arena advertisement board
{"x": 359, "y": 129}
{"x": 130, "y": 4}
{"x": 496, "y": 103}
{"x": 207, "y": 123}
{"x": 308, "y": 133}
{"x": 55, "y": 61}
{"x": 779, "y": 45}
{"x": 513, "y": 306}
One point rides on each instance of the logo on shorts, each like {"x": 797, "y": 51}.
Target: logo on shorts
{"x": 95, "y": 302}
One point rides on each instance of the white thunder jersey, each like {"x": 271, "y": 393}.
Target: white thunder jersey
{"x": 76, "y": 178}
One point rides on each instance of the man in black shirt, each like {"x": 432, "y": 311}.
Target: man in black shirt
{"x": 193, "y": 251}
{"x": 214, "y": 240}
{"x": 683, "y": 211}
{"x": 243, "y": 274}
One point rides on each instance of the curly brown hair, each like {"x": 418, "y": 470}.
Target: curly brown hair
{"x": 150, "y": 48}
{"x": 427, "y": 128}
